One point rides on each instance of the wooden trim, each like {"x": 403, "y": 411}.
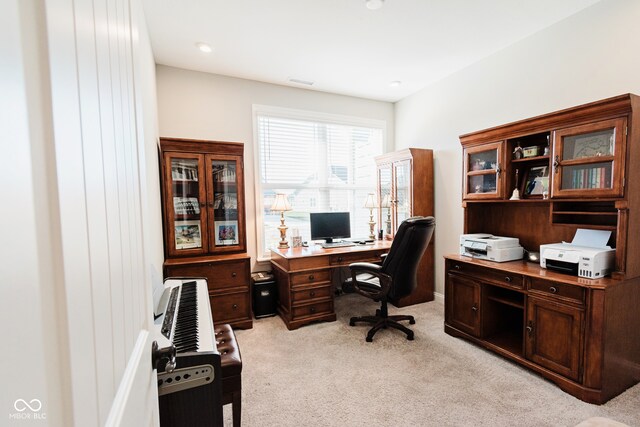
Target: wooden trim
{"x": 607, "y": 108}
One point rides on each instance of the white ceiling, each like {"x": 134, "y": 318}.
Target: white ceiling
{"x": 340, "y": 45}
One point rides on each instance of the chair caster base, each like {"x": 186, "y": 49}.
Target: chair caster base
{"x": 412, "y": 322}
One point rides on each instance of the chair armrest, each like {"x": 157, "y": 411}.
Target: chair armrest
{"x": 364, "y": 267}
{"x": 374, "y": 270}
{"x": 383, "y": 256}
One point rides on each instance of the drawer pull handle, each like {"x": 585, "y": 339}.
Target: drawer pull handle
{"x": 312, "y": 309}
{"x": 339, "y": 259}
{"x": 530, "y": 328}
{"x": 311, "y": 277}
{"x": 233, "y": 274}
{"x": 553, "y": 289}
{"x": 234, "y": 306}
{"x": 312, "y": 293}
{"x": 474, "y": 308}
{"x": 457, "y": 267}
{"x": 507, "y": 279}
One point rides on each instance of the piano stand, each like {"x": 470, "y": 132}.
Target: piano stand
{"x": 231, "y": 364}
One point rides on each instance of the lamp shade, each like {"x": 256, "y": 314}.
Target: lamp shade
{"x": 370, "y": 202}
{"x": 386, "y": 201}
{"x": 281, "y": 203}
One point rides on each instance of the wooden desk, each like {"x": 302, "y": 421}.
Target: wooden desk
{"x": 305, "y": 291}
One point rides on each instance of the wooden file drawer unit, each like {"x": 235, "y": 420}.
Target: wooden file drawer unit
{"x": 582, "y": 334}
{"x": 305, "y": 289}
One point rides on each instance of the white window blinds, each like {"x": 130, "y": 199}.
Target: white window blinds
{"x": 321, "y": 166}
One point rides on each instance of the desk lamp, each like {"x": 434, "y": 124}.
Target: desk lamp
{"x": 371, "y": 204}
{"x": 281, "y": 205}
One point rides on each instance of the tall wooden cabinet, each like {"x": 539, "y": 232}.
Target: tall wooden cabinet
{"x": 405, "y": 189}
{"x": 204, "y": 222}
{"x": 574, "y": 168}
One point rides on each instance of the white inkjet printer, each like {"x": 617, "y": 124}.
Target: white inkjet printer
{"x": 490, "y": 247}
{"x": 586, "y": 256}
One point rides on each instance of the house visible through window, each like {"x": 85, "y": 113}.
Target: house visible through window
{"x": 320, "y": 164}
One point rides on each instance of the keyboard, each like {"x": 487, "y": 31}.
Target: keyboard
{"x": 337, "y": 245}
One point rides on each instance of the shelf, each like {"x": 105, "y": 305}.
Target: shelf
{"x": 530, "y": 159}
{"x": 512, "y": 303}
{"x": 587, "y": 161}
{"x": 186, "y": 217}
{"x": 507, "y": 340}
{"x": 482, "y": 172}
{"x": 584, "y": 213}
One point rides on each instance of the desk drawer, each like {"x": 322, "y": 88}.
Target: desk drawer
{"x": 558, "y": 290}
{"x": 498, "y": 277}
{"x": 310, "y": 277}
{"x": 325, "y": 307}
{"x": 307, "y": 294}
{"x": 348, "y": 258}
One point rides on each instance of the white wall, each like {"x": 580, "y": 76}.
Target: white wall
{"x": 80, "y": 132}
{"x": 206, "y": 106}
{"x": 589, "y": 56}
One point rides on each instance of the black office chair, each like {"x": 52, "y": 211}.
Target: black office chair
{"x": 395, "y": 278}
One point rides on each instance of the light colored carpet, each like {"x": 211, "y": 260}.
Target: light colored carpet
{"x": 325, "y": 374}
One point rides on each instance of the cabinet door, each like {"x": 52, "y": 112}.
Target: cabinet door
{"x": 385, "y": 178}
{"x": 225, "y": 203}
{"x": 588, "y": 159}
{"x": 554, "y": 336}
{"x": 403, "y": 192}
{"x": 462, "y": 299}
{"x": 483, "y": 177}
{"x": 185, "y": 207}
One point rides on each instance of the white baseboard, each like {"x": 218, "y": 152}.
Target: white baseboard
{"x": 439, "y": 298}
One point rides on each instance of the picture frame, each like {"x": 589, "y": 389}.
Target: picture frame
{"x": 226, "y": 233}
{"x": 187, "y": 235}
{"x": 535, "y": 182}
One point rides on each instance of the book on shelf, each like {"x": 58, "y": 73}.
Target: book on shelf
{"x": 186, "y": 205}
{"x": 590, "y": 178}
{"x": 184, "y": 170}
{"x": 225, "y": 201}
{"x": 224, "y": 172}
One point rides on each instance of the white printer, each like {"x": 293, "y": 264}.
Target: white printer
{"x": 490, "y": 247}
{"x": 586, "y": 256}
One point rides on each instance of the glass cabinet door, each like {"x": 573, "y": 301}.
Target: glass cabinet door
{"x": 482, "y": 175}
{"x": 402, "y": 170}
{"x": 385, "y": 176}
{"x": 224, "y": 185}
{"x": 187, "y": 216}
{"x": 587, "y": 160}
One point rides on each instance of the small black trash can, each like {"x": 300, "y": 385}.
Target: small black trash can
{"x": 264, "y": 294}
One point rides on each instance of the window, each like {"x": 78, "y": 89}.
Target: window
{"x": 323, "y": 163}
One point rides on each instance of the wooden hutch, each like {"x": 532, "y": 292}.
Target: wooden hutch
{"x": 405, "y": 189}
{"x": 204, "y": 222}
{"x": 575, "y": 168}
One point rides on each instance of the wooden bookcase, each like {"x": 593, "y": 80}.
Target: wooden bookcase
{"x": 572, "y": 169}
{"x": 405, "y": 180}
{"x": 204, "y": 222}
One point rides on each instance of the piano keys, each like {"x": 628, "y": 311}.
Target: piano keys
{"x": 190, "y": 395}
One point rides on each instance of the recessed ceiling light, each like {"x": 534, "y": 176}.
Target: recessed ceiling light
{"x": 395, "y": 83}
{"x": 204, "y": 47}
{"x": 374, "y": 4}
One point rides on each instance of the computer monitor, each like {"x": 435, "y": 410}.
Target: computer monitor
{"x": 330, "y": 225}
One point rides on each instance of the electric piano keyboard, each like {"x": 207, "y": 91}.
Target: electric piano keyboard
{"x": 191, "y": 394}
